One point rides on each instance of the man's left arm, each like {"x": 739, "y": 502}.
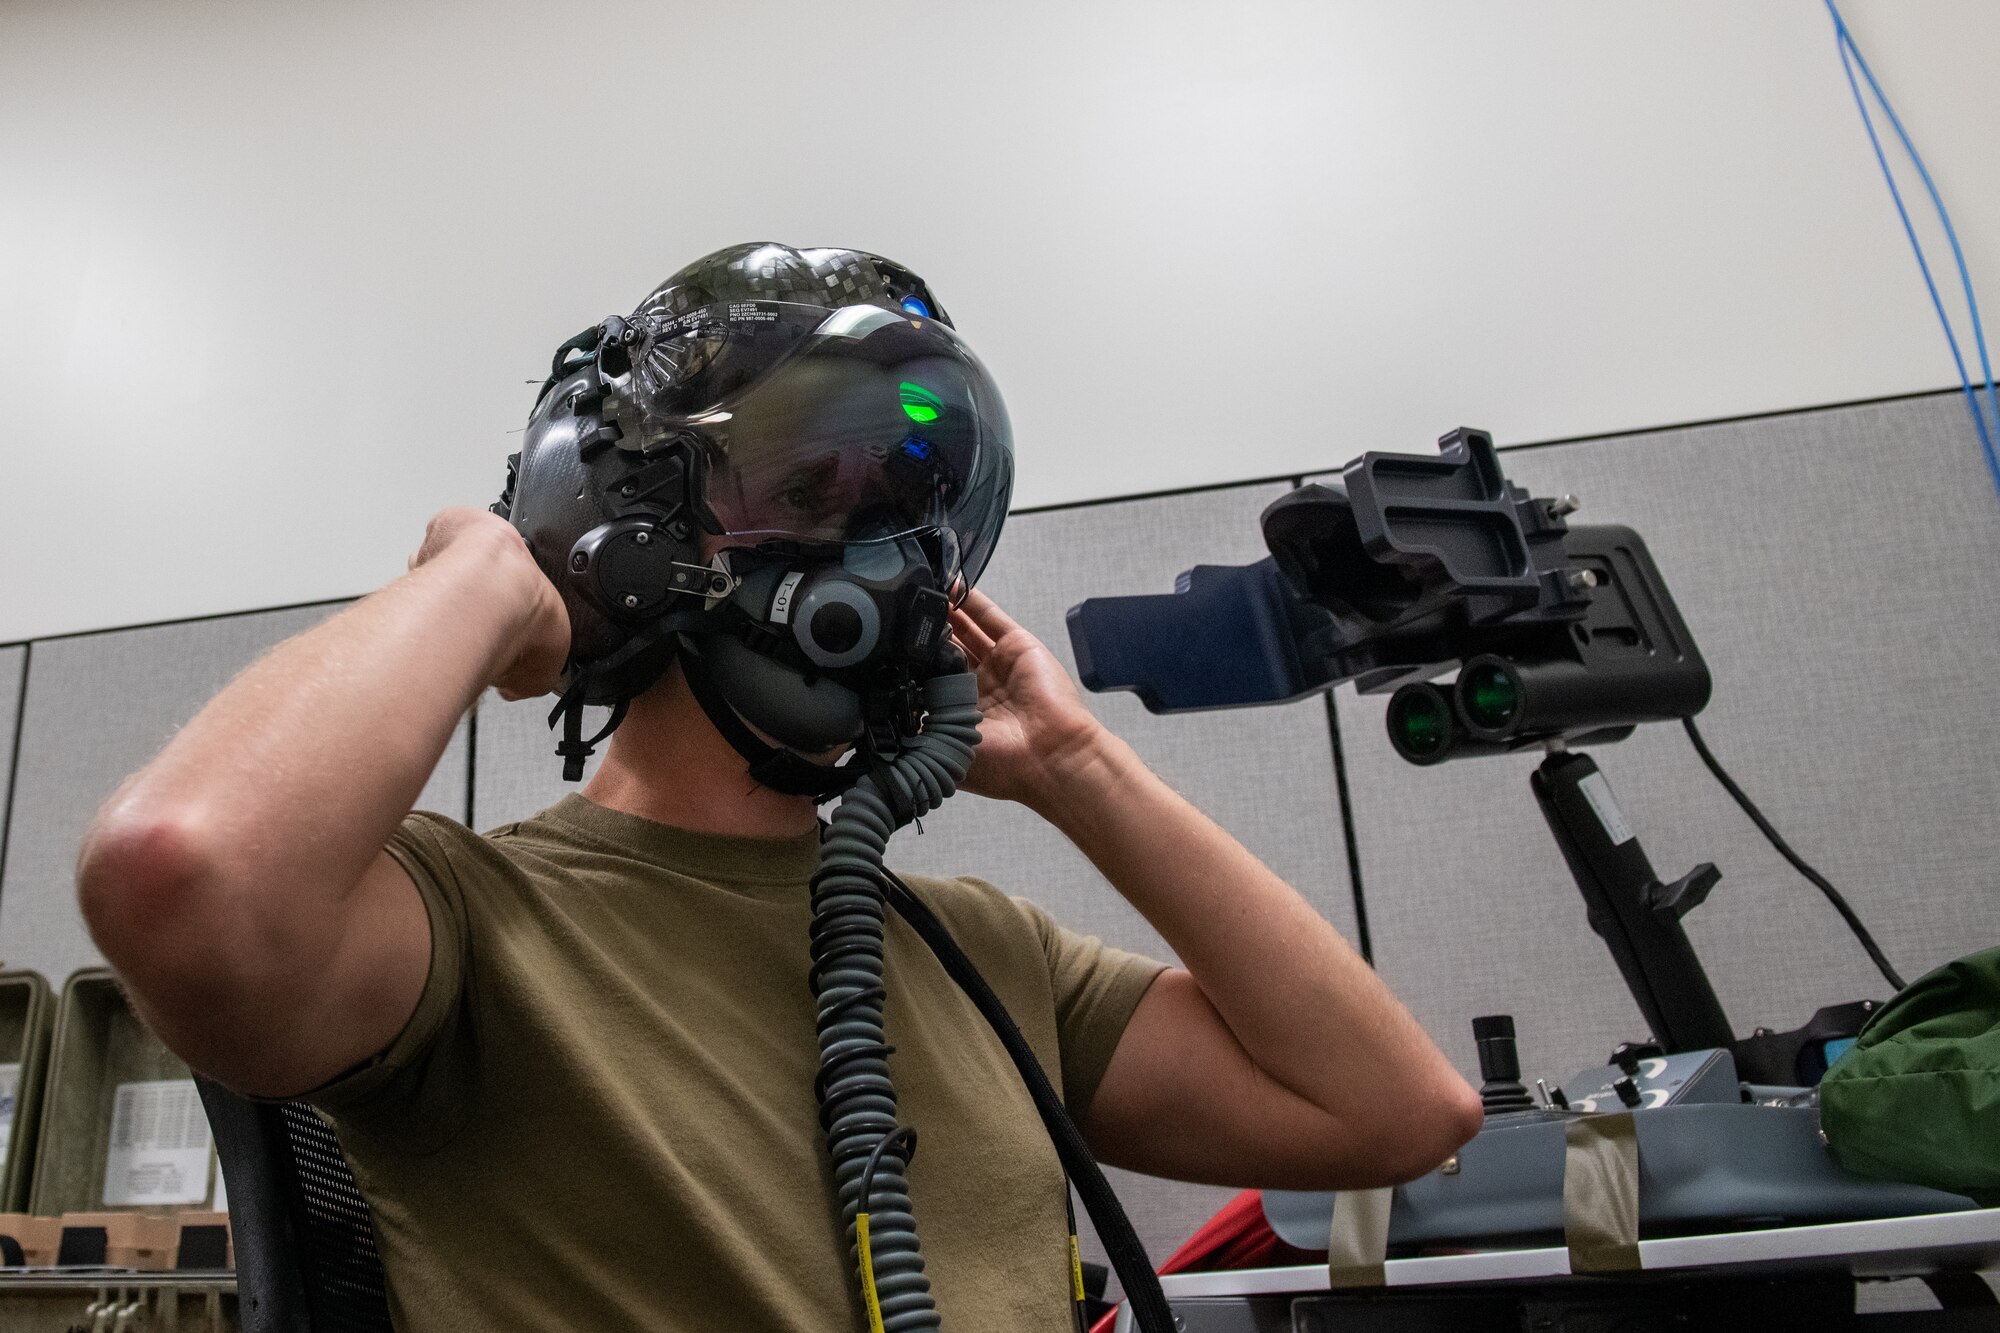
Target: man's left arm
{"x": 1276, "y": 1057}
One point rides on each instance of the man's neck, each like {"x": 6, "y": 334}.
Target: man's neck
{"x": 667, "y": 763}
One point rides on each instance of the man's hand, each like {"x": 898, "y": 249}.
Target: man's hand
{"x": 543, "y": 639}
{"x": 1034, "y": 727}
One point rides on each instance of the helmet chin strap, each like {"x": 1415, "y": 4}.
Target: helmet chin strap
{"x": 569, "y": 707}
{"x": 573, "y": 748}
{"x": 772, "y": 766}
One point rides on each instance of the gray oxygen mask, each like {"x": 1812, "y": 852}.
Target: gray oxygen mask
{"x": 814, "y": 644}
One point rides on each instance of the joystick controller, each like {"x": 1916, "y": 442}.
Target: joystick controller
{"x": 1499, "y": 1065}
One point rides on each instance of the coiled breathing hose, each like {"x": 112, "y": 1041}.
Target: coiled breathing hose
{"x": 857, "y": 1099}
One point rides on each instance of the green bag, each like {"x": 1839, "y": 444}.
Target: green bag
{"x": 1918, "y": 1097}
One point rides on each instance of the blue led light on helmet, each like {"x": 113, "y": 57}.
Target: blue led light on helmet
{"x": 914, "y": 306}
{"x": 917, "y": 449}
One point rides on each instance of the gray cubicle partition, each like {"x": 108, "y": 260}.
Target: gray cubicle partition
{"x": 97, "y": 707}
{"x": 13, "y": 665}
{"x": 1835, "y": 568}
{"x": 1831, "y": 563}
{"x": 1266, "y": 775}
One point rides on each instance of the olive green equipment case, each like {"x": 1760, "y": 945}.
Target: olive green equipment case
{"x": 26, "y": 1017}
{"x": 1917, "y": 1099}
{"x": 99, "y": 1045}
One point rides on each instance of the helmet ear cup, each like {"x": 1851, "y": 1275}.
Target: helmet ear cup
{"x": 631, "y": 567}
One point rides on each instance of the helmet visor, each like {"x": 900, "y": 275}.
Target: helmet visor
{"x": 847, "y": 425}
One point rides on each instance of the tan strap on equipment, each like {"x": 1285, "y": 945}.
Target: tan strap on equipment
{"x": 1357, "y": 1242}
{"x": 1601, "y": 1193}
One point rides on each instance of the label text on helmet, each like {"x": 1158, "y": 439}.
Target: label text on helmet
{"x": 781, "y": 604}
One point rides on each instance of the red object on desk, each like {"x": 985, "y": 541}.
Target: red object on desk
{"x": 1236, "y": 1237}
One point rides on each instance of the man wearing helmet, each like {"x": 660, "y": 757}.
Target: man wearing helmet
{"x": 572, "y": 1060}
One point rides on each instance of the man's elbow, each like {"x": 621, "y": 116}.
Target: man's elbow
{"x": 146, "y": 876}
{"x": 1460, "y": 1117}
{"x": 1448, "y": 1123}
{"x": 1422, "y": 1133}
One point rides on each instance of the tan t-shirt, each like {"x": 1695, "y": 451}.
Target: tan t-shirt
{"x": 601, "y": 1114}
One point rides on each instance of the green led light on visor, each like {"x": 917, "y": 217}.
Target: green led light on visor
{"x": 919, "y": 404}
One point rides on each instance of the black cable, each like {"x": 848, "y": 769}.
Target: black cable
{"x": 904, "y": 1141}
{"x": 1819, "y": 881}
{"x": 1121, "y": 1243}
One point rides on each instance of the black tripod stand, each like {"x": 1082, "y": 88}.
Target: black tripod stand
{"x": 1639, "y": 919}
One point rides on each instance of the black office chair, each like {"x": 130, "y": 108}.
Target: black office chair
{"x": 305, "y": 1242}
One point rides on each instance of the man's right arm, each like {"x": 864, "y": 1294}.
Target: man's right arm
{"x": 238, "y": 882}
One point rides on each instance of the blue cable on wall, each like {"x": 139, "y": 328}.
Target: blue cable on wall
{"x": 1850, "y": 57}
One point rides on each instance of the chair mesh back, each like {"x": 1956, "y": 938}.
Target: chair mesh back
{"x": 337, "y": 1257}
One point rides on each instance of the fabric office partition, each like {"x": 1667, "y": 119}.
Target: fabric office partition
{"x": 1832, "y": 565}
{"x": 13, "y": 662}
{"x": 97, "y": 707}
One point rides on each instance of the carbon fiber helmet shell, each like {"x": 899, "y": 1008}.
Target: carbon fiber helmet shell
{"x": 767, "y": 271}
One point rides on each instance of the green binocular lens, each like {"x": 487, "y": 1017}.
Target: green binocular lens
{"x": 1420, "y": 722}
{"x": 1490, "y": 694}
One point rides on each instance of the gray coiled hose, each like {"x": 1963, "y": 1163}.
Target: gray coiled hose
{"x": 857, "y": 1100}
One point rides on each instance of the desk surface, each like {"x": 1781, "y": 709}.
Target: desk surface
{"x": 1883, "y": 1247}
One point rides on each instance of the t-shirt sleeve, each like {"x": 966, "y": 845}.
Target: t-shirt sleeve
{"x": 417, "y": 1087}
{"x": 1097, "y": 988}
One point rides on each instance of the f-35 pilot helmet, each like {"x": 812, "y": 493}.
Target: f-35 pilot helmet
{"x": 784, "y": 463}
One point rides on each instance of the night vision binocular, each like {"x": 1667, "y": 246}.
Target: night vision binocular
{"x": 1409, "y": 568}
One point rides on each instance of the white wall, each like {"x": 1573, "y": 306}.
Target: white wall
{"x": 272, "y": 277}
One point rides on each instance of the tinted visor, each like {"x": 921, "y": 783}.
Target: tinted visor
{"x": 837, "y": 426}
